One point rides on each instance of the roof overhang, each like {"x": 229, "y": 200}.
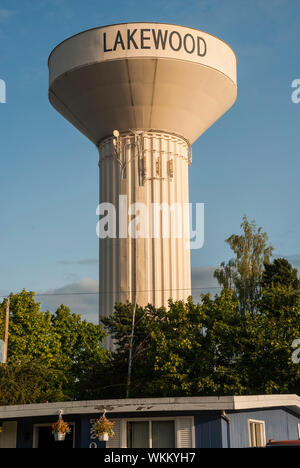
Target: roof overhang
{"x": 153, "y": 405}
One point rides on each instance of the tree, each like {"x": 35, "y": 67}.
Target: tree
{"x": 119, "y": 326}
{"x": 269, "y": 340}
{"x": 30, "y": 331}
{"x": 187, "y": 349}
{"x": 226, "y": 274}
{"x": 26, "y": 381}
{"x": 80, "y": 347}
{"x": 280, "y": 272}
{"x": 61, "y": 342}
{"x": 208, "y": 348}
{"x": 244, "y": 272}
{"x": 195, "y": 346}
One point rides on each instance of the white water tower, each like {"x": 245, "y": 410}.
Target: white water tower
{"x": 143, "y": 93}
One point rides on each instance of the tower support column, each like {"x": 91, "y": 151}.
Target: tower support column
{"x": 144, "y": 178}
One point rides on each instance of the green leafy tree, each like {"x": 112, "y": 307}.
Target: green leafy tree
{"x": 280, "y": 272}
{"x": 195, "y": 345}
{"x": 187, "y": 349}
{"x": 31, "y": 333}
{"x": 119, "y": 326}
{"x": 26, "y": 381}
{"x": 268, "y": 345}
{"x": 244, "y": 272}
{"x": 80, "y": 347}
{"x": 208, "y": 348}
{"x": 61, "y": 342}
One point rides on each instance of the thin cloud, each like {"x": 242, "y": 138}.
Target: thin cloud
{"x": 203, "y": 282}
{"x": 5, "y": 14}
{"x": 80, "y": 297}
{"x": 84, "y": 261}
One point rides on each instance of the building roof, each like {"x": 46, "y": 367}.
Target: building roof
{"x": 138, "y": 405}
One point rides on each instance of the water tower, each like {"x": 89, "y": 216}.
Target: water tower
{"x": 143, "y": 93}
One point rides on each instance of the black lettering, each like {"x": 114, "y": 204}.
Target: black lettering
{"x": 199, "y": 41}
{"x": 179, "y": 41}
{"x": 104, "y": 44}
{"x": 119, "y": 40}
{"x": 185, "y": 40}
{"x": 130, "y": 39}
{"x": 143, "y": 39}
{"x": 159, "y": 38}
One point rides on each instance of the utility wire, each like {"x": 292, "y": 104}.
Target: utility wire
{"x": 120, "y": 292}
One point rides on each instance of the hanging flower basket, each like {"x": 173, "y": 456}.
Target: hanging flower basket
{"x": 60, "y": 430}
{"x": 103, "y": 429}
{"x": 59, "y": 436}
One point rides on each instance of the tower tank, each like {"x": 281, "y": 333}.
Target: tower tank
{"x": 143, "y": 93}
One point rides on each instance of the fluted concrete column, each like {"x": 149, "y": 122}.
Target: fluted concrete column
{"x": 150, "y": 168}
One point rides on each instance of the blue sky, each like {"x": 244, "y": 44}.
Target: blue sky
{"x": 248, "y": 162}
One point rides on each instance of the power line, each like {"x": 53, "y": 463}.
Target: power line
{"x": 120, "y": 292}
{"x": 90, "y": 293}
